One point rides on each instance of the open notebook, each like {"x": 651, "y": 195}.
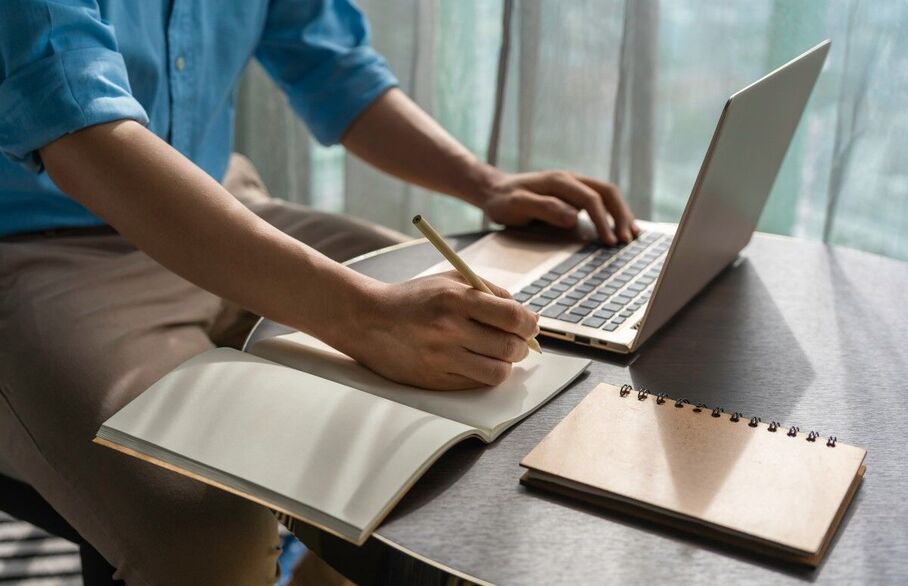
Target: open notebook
{"x": 309, "y": 432}
{"x": 759, "y": 485}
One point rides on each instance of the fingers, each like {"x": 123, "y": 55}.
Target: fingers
{"x": 448, "y": 381}
{"x": 549, "y": 209}
{"x": 625, "y": 227}
{"x": 503, "y": 314}
{"x": 567, "y": 187}
{"x": 495, "y": 289}
{"x": 482, "y": 369}
{"x": 494, "y": 343}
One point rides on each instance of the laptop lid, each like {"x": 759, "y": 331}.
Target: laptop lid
{"x": 735, "y": 179}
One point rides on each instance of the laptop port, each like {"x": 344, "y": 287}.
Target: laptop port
{"x": 560, "y": 335}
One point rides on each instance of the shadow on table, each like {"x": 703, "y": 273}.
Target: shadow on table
{"x": 791, "y": 569}
{"x": 732, "y": 335}
{"x": 730, "y": 348}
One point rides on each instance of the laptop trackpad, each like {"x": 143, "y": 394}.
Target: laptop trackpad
{"x": 507, "y": 260}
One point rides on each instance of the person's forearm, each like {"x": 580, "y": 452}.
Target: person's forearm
{"x": 185, "y": 220}
{"x": 396, "y": 136}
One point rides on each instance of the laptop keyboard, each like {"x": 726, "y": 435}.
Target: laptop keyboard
{"x": 600, "y": 287}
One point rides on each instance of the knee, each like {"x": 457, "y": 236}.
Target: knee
{"x": 225, "y": 540}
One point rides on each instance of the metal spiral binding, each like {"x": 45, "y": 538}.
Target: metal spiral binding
{"x": 735, "y": 417}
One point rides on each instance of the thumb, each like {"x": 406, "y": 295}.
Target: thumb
{"x": 550, "y": 209}
{"x": 496, "y": 290}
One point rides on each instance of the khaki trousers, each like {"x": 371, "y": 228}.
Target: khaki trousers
{"x": 86, "y": 324}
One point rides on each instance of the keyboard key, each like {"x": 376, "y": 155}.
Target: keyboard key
{"x": 581, "y": 311}
{"x": 574, "y": 295}
{"x": 555, "y": 310}
{"x": 532, "y": 290}
{"x": 590, "y": 266}
{"x": 570, "y": 280}
{"x": 615, "y": 307}
{"x": 560, "y": 288}
{"x": 571, "y": 261}
{"x": 541, "y": 283}
{"x": 622, "y": 299}
{"x": 584, "y": 288}
{"x": 610, "y": 327}
{"x": 535, "y": 307}
{"x": 636, "y": 287}
{"x": 609, "y": 290}
{"x": 626, "y": 313}
{"x": 598, "y": 297}
{"x": 570, "y": 317}
{"x": 594, "y": 280}
{"x": 521, "y": 297}
{"x": 593, "y": 322}
{"x": 618, "y": 320}
{"x": 604, "y": 314}
{"x": 589, "y": 304}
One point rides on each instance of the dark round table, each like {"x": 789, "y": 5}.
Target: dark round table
{"x": 795, "y": 331}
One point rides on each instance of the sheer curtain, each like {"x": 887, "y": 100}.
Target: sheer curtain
{"x": 628, "y": 90}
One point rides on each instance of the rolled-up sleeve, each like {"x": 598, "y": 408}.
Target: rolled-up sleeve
{"x": 60, "y": 71}
{"x": 318, "y": 52}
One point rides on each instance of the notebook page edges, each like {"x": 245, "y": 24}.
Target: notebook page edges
{"x": 282, "y": 435}
{"x": 491, "y": 410}
{"x": 772, "y": 486}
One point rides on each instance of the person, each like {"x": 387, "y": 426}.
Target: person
{"x": 131, "y": 240}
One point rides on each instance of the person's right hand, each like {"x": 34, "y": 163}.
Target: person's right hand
{"x": 437, "y": 332}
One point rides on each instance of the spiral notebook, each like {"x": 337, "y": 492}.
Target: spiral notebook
{"x": 759, "y": 485}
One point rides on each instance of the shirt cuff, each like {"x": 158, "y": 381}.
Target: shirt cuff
{"x": 346, "y": 88}
{"x": 60, "y": 94}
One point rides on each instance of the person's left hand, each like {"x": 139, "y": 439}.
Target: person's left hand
{"x": 556, "y": 197}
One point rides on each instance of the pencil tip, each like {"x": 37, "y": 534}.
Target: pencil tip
{"x": 417, "y": 219}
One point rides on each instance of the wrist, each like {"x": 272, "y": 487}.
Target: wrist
{"x": 353, "y": 310}
{"x": 482, "y": 181}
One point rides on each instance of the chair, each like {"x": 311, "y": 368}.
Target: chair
{"x": 23, "y": 502}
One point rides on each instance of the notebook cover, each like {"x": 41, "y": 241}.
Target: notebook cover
{"x": 685, "y": 467}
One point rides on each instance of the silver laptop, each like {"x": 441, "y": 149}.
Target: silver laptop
{"x": 615, "y": 298}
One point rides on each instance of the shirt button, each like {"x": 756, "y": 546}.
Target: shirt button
{"x": 180, "y": 63}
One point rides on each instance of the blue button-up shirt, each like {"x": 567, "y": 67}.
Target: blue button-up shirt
{"x": 172, "y": 65}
